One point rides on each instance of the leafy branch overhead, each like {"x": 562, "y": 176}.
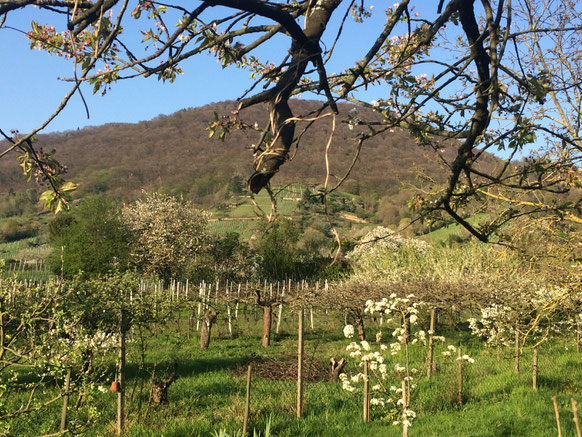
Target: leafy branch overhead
{"x": 473, "y": 77}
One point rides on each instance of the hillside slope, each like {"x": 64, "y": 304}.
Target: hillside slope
{"x": 174, "y": 153}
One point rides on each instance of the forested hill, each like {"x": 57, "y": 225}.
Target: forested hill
{"x": 175, "y": 153}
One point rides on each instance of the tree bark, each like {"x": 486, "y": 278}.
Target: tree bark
{"x": 160, "y": 389}
{"x": 209, "y": 318}
{"x": 405, "y": 324}
{"x": 304, "y": 50}
{"x": 361, "y": 330}
{"x": 335, "y": 368}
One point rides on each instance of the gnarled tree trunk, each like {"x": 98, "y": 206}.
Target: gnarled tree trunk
{"x": 335, "y": 368}
{"x": 209, "y": 318}
{"x": 160, "y": 389}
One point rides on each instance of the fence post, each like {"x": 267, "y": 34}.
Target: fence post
{"x": 201, "y": 295}
{"x": 557, "y": 416}
{"x": 65, "y": 401}
{"x": 280, "y": 309}
{"x": 575, "y": 418}
{"x": 535, "y": 369}
{"x": 459, "y": 377}
{"x": 228, "y": 310}
{"x": 431, "y": 333}
{"x": 579, "y": 337}
{"x": 366, "y": 392}
{"x": 300, "y": 367}
{"x": 516, "y": 366}
{"x": 404, "y": 408}
{"x": 237, "y": 299}
{"x": 247, "y": 401}
{"x": 121, "y": 392}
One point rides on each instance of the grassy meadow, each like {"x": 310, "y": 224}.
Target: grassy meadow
{"x": 208, "y": 396}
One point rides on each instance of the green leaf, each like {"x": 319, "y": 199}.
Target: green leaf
{"x": 69, "y": 186}
{"x": 47, "y": 195}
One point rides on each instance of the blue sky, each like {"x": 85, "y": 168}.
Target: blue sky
{"x": 30, "y": 90}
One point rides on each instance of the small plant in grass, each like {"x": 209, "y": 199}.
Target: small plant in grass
{"x": 392, "y": 375}
{"x": 267, "y": 433}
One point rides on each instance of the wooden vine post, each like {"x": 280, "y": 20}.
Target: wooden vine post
{"x": 267, "y": 322}
{"x": 121, "y": 372}
{"x": 247, "y": 401}
{"x": 228, "y": 314}
{"x": 431, "y": 332}
{"x": 459, "y": 377}
{"x": 280, "y": 310}
{"x": 554, "y": 400}
{"x": 366, "y": 391}
{"x": 575, "y": 418}
{"x": 300, "y": 366}
{"x": 516, "y": 366}
{"x": 361, "y": 329}
{"x": 405, "y": 397}
{"x": 534, "y": 368}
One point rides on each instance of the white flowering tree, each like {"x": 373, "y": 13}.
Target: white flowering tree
{"x": 495, "y": 325}
{"x": 167, "y": 234}
{"x": 526, "y": 311}
{"x": 391, "y": 374}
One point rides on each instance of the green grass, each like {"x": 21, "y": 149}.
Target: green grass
{"x": 442, "y": 234}
{"x": 245, "y": 228}
{"x": 25, "y": 259}
{"x": 285, "y": 206}
{"x": 209, "y": 393}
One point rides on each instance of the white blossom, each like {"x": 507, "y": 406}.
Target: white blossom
{"x": 349, "y": 331}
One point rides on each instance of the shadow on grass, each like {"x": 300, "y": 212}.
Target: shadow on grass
{"x": 188, "y": 367}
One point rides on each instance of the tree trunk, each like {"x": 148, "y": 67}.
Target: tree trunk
{"x": 361, "y": 330}
{"x": 160, "y": 389}
{"x": 209, "y": 318}
{"x": 405, "y": 324}
{"x": 267, "y": 318}
{"x": 335, "y": 368}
